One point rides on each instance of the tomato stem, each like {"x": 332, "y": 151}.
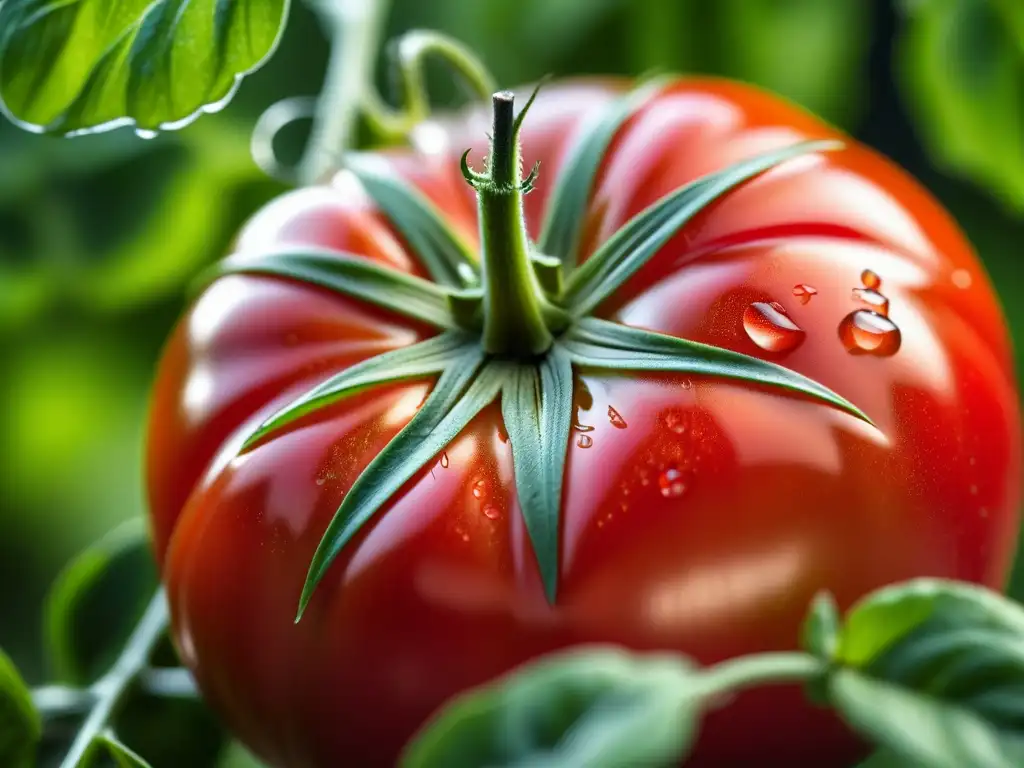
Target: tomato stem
{"x": 514, "y": 304}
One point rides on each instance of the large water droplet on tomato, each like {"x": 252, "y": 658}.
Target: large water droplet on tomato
{"x": 869, "y": 333}
{"x": 771, "y": 328}
{"x": 585, "y": 441}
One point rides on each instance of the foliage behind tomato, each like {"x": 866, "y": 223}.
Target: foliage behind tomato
{"x": 698, "y": 514}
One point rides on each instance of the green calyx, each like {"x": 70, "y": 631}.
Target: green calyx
{"x": 515, "y": 323}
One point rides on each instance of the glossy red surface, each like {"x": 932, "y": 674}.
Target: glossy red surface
{"x": 699, "y": 515}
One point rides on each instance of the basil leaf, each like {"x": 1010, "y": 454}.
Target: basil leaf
{"x": 594, "y": 708}
{"x": 963, "y": 76}
{"x": 96, "y": 602}
{"x": 640, "y": 238}
{"x": 415, "y": 361}
{"x": 123, "y": 756}
{"x": 73, "y": 66}
{"x": 820, "y": 635}
{"x": 351, "y": 276}
{"x": 20, "y": 726}
{"x": 567, "y": 208}
{"x": 448, "y": 260}
{"x": 455, "y": 400}
{"x": 536, "y": 406}
{"x": 596, "y": 343}
{"x": 933, "y": 671}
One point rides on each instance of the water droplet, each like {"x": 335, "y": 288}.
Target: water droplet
{"x": 770, "y": 328}
{"x": 671, "y": 483}
{"x": 616, "y": 418}
{"x": 582, "y": 427}
{"x": 983, "y": 512}
{"x": 465, "y": 537}
{"x": 803, "y": 292}
{"x": 585, "y": 441}
{"x": 866, "y": 332}
{"x": 961, "y": 278}
{"x": 444, "y": 460}
{"x": 321, "y": 480}
{"x": 146, "y": 134}
{"x": 870, "y": 280}
{"x": 502, "y": 434}
{"x": 478, "y": 488}
{"x": 872, "y": 299}
{"x": 675, "y": 422}
{"x": 491, "y": 512}
{"x": 974, "y": 490}
{"x": 687, "y": 384}
{"x": 645, "y": 477}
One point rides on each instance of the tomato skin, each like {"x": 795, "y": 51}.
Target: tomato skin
{"x": 705, "y": 524}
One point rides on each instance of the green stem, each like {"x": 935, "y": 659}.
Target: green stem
{"x": 411, "y": 52}
{"x": 514, "y": 323}
{"x": 355, "y": 26}
{"x": 760, "y": 669}
{"x": 109, "y": 692}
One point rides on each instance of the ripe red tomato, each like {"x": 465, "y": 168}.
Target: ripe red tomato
{"x": 699, "y": 515}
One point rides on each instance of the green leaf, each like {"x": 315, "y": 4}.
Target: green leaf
{"x": 962, "y": 65}
{"x": 567, "y": 206}
{"x": 597, "y": 343}
{"x": 123, "y": 756}
{"x": 640, "y": 238}
{"x": 446, "y": 257}
{"x": 536, "y": 406}
{"x": 351, "y": 276}
{"x": 20, "y": 726}
{"x": 820, "y": 635}
{"x": 415, "y": 361}
{"x": 96, "y": 601}
{"x": 593, "y": 708}
{"x": 73, "y": 66}
{"x": 933, "y": 671}
{"x": 458, "y": 396}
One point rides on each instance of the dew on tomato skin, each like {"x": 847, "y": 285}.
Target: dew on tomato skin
{"x": 444, "y": 460}
{"x": 870, "y": 280}
{"x": 768, "y": 326}
{"x": 687, "y": 384}
{"x": 321, "y": 480}
{"x": 585, "y": 441}
{"x": 872, "y": 299}
{"x": 491, "y": 512}
{"x": 615, "y": 418}
{"x": 675, "y": 422}
{"x": 961, "y": 278}
{"x": 671, "y": 483}
{"x": 866, "y": 332}
{"x": 479, "y": 486}
{"x": 804, "y": 293}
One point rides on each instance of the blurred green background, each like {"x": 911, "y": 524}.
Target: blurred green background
{"x": 99, "y": 236}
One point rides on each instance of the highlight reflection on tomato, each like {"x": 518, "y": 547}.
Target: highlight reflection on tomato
{"x": 698, "y": 514}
